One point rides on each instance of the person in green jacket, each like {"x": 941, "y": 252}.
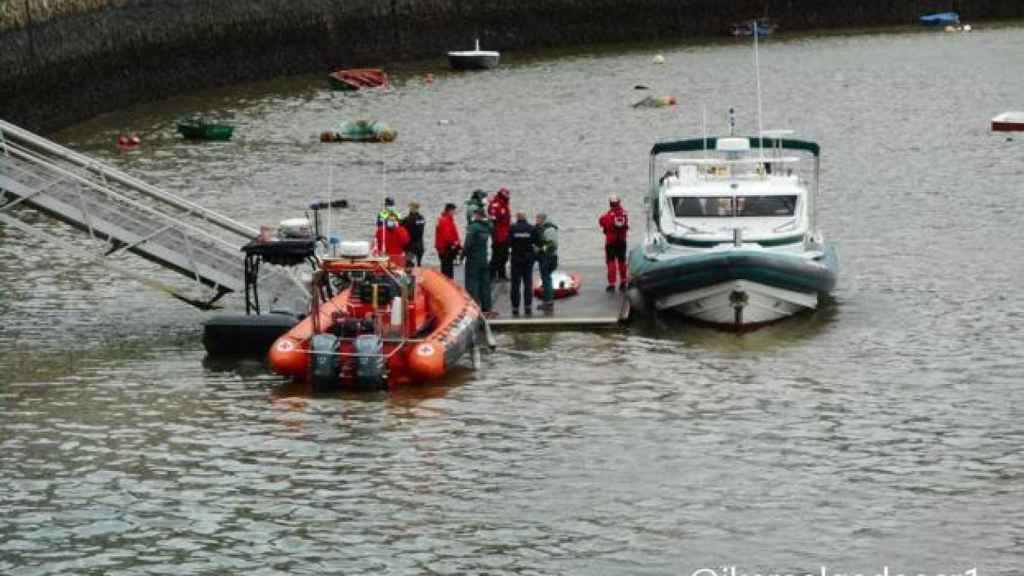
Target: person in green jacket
{"x": 478, "y": 268}
{"x": 547, "y": 258}
{"x": 475, "y": 202}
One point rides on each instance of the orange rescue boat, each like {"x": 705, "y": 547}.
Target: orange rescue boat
{"x": 374, "y": 325}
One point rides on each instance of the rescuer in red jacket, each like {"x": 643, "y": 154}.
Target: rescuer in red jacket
{"x": 615, "y": 224}
{"x": 392, "y": 239}
{"x": 501, "y": 219}
{"x": 446, "y": 240}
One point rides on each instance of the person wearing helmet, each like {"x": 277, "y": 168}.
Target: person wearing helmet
{"x": 501, "y": 218}
{"x": 615, "y": 225}
{"x": 388, "y": 211}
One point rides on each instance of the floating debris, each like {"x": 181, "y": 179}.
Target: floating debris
{"x": 656, "y": 102}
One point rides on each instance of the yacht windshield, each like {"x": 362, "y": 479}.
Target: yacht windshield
{"x": 702, "y": 206}
{"x": 765, "y": 205}
{"x": 718, "y": 206}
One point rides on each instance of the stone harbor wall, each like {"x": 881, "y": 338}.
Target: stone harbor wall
{"x": 62, "y": 61}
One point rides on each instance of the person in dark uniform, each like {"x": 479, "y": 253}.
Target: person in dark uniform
{"x": 547, "y": 258}
{"x": 414, "y": 223}
{"x": 478, "y": 270}
{"x": 522, "y": 237}
{"x": 475, "y": 202}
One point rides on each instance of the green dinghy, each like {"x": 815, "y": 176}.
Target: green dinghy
{"x": 200, "y": 129}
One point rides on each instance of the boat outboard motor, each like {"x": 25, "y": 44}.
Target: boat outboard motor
{"x": 369, "y": 362}
{"x": 324, "y": 363}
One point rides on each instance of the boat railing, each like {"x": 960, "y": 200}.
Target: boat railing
{"x": 746, "y": 160}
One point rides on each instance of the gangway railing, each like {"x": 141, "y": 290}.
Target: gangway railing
{"x": 129, "y": 217}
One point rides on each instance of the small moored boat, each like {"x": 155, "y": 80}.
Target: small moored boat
{"x": 475, "y": 59}
{"x": 375, "y": 326}
{"x": 200, "y": 129}
{"x": 1008, "y": 122}
{"x": 357, "y": 78}
{"x": 761, "y": 27}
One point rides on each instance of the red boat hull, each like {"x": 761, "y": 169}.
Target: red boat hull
{"x": 1007, "y": 126}
{"x": 356, "y": 78}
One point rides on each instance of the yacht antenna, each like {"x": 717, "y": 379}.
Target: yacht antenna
{"x": 757, "y": 76}
{"x": 732, "y": 122}
{"x": 330, "y": 213}
{"x": 704, "y": 125}
{"x": 383, "y": 198}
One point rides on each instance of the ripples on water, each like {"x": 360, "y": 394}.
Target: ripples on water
{"x": 884, "y": 430}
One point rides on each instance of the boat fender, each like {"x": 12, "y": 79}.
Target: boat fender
{"x": 369, "y": 362}
{"x": 324, "y": 370}
{"x": 396, "y": 313}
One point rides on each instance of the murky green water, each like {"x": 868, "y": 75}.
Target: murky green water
{"x": 885, "y": 430}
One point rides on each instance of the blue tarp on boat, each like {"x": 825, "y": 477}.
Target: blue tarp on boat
{"x": 940, "y": 19}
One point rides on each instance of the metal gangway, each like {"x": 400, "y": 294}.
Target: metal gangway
{"x": 128, "y": 217}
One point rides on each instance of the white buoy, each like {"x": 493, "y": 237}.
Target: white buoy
{"x": 658, "y": 59}
{"x": 967, "y": 27}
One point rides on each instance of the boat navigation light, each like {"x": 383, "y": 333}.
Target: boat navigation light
{"x": 733, "y": 145}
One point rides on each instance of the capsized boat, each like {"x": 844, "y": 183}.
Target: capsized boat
{"x": 475, "y": 59}
{"x": 374, "y": 325}
{"x": 1012, "y": 121}
{"x": 357, "y": 78}
{"x": 732, "y": 237}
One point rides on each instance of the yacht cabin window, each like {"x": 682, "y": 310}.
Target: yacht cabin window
{"x": 727, "y": 206}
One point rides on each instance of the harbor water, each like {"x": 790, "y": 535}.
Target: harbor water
{"x": 883, "y": 432}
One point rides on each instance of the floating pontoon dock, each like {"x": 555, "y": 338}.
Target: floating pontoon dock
{"x": 591, "y": 308}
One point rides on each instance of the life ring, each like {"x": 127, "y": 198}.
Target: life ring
{"x": 565, "y": 284}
